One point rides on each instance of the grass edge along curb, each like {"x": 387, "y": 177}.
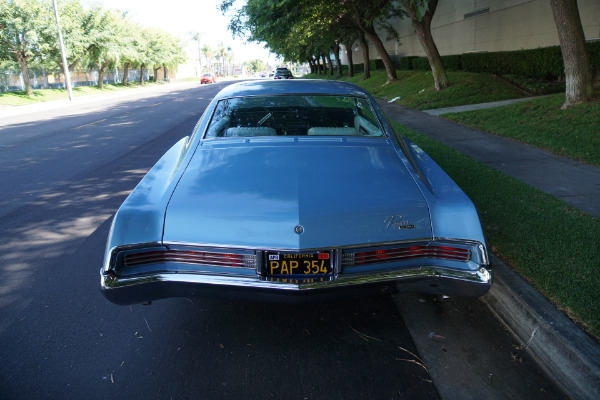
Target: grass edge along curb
{"x": 19, "y": 98}
{"x": 552, "y": 245}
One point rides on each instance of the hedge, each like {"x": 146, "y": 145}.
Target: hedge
{"x": 360, "y": 68}
{"x": 543, "y": 63}
{"x": 406, "y": 62}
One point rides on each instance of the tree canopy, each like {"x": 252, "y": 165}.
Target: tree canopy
{"x": 306, "y": 31}
{"x": 93, "y": 35}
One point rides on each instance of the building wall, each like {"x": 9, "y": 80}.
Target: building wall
{"x": 462, "y": 26}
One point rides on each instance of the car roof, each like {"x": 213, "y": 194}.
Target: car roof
{"x": 297, "y": 86}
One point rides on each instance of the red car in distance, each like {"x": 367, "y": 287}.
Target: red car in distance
{"x": 208, "y": 78}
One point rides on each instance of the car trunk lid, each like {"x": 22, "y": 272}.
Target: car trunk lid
{"x": 256, "y": 192}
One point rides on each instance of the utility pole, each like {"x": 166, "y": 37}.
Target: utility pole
{"x": 62, "y": 51}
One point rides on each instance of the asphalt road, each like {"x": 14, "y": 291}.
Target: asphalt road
{"x": 64, "y": 173}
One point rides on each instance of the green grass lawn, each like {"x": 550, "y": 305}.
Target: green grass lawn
{"x": 21, "y": 99}
{"x": 551, "y": 244}
{"x": 415, "y": 88}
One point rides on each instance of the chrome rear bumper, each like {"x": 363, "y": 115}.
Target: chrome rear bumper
{"x": 432, "y": 280}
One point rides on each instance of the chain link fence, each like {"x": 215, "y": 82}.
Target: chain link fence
{"x": 40, "y": 78}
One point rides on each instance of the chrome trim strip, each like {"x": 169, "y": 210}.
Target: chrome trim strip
{"x": 349, "y": 246}
{"x": 483, "y": 276}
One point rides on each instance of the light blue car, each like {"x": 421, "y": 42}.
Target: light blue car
{"x": 294, "y": 190}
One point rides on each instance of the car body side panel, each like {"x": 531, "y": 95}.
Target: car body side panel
{"x": 453, "y": 214}
{"x": 140, "y": 218}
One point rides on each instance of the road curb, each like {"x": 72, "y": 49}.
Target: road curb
{"x": 568, "y": 354}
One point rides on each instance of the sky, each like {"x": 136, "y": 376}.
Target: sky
{"x": 180, "y": 17}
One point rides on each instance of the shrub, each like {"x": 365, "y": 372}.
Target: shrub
{"x": 544, "y": 63}
{"x": 452, "y": 63}
{"x": 421, "y": 63}
{"x": 406, "y": 62}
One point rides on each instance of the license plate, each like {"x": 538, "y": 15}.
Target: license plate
{"x": 284, "y": 266}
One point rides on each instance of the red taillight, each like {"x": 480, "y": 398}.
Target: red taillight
{"x": 406, "y": 253}
{"x": 190, "y": 257}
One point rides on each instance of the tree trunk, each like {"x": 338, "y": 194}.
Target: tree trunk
{"x": 100, "y": 76}
{"x": 101, "y": 69}
{"x": 348, "y": 46}
{"x": 104, "y": 68}
{"x": 329, "y": 63}
{"x": 166, "y": 73}
{"x": 578, "y": 71}
{"x": 324, "y": 63}
{"x": 365, "y": 51}
{"x": 25, "y": 72}
{"x": 335, "y": 48}
{"x": 369, "y": 30}
{"x": 423, "y": 29}
{"x": 142, "y": 73}
{"x": 125, "y": 72}
{"x": 311, "y": 63}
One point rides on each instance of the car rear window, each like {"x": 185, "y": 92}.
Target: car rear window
{"x": 294, "y": 115}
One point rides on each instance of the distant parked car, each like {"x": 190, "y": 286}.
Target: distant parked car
{"x": 208, "y": 78}
{"x": 292, "y": 191}
{"x": 283, "y": 74}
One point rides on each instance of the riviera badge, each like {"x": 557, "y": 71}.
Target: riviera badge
{"x": 395, "y": 221}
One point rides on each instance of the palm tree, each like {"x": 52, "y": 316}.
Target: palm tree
{"x": 196, "y": 36}
{"x": 222, "y": 52}
{"x": 208, "y": 55}
{"x": 229, "y": 57}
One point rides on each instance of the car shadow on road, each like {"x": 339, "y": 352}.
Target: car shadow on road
{"x": 223, "y": 349}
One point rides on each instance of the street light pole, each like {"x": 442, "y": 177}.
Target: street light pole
{"x": 64, "y": 56}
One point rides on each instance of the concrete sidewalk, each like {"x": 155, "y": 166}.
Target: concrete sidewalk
{"x": 440, "y": 111}
{"x": 565, "y": 351}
